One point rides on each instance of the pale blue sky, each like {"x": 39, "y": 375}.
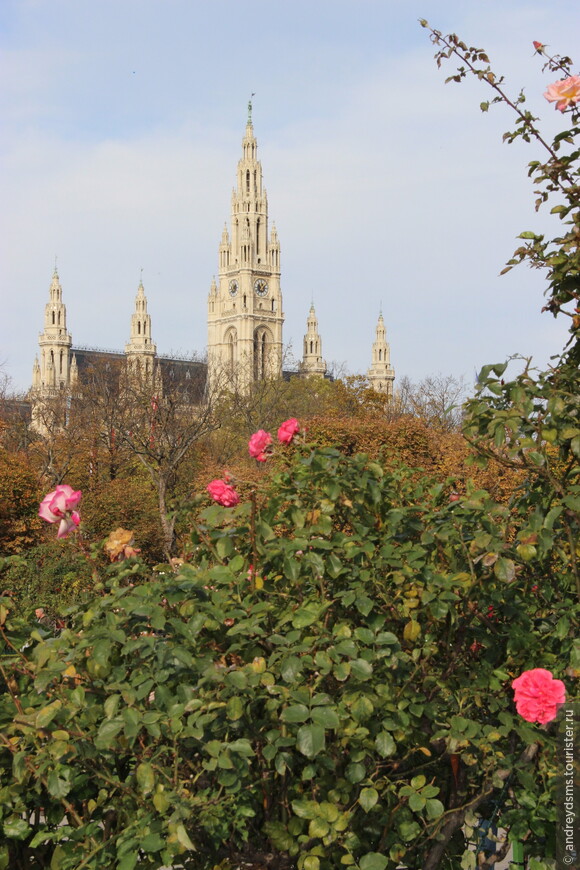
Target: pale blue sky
{"x": 123, "y": 122}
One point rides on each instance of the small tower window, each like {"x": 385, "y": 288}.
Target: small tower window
{"x": 139, "y": 327}
{"x": 248, "y": 181}
{"x": 53, "y": 318}
{"x": 380, "y": 355}
{"x": 311, "y": 347}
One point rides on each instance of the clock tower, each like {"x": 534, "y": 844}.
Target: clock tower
{"x": 245, "y": 314}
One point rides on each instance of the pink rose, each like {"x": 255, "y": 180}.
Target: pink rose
{"x": 538, "y": 45}
{"x": 537, "y": 695}
{"x": 288, "y": 430}
{"x": 57, "y": 507}
{"x": 258, "y": 443}
{"x": 222, "y": 493}
{"x": 564, "y": 92}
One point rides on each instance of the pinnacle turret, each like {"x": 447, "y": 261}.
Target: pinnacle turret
{"x": 52, "y": 372}
{"x": 381, "y": 374}
{"x": 141, "y": 346}
{"x": 312, "y": 361}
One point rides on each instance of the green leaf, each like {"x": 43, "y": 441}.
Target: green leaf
{"x": 342, "y": 671}
{"x": 361, "y": 669}
{"x": 409, "y": 830}
{"x": 434, "y": 808}
{"x": 107, "y": 732}
{"x": 504, "y": 569}
{"x": 373, "y": 861}
{"x": 241, "y": 747}
{"x": 57, "y": 786}
{"x": 291, "y": 668}
{"x": 234, "y": 708}
{"x": 385, "y": 745}
{"x": 311, "y": 862}
{"x": 16, "y": 828}
{"x": 355, "y": 772}
{"x": 310, "y": 740}
{"x": 131, "y": 722}
{"x": 325, "y": 716}
{"x": 111, "y": 705}
{"x": 305, "y": 809}
{"x": 416, "y": 802}
{"x": 129, "y": 861}
{"x": 318, "y": 828}
{"x": 145, "y": 777}
{"x": 306, "y": 616}
{"x": 368, "y": 798}
{"x": 296, "y": 713}
{"x": 152, "y": 843}
{"x": 47, "y": 714}
{"x": 183, "y": 838}
{"x": 333, "y": 565}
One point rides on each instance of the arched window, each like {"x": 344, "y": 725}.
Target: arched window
{"x": 262, "y": 342}
{"x": 139, "y": 327}
{"x": 248, "y": 181}
{"x": 53, "y": 318}
{"x": 380, "y": 355}
{"x": 231, "y": 351}
{"x": 311, "y": 347}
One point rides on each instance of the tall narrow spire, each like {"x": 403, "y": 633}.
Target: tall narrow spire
{"x": 53, "y": 371}
{"x": 245, "y": 306}
{"x": 381, "y": 374}
{"x": 141, "y": 348}
{"x": 312, "y": 361}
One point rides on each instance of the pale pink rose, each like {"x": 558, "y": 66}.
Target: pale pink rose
{"x": 288, "y": 430}
{"x": 564, "y": 92}
{"x": 39, "y": 612}
{"x": 222, "y": 493}
{"x": 54, "y": 505}
{"x": 258, "y": 444}
{"x": 58, "y": 507}
{"x": 537, "y": 695}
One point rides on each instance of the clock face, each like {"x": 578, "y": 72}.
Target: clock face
{"x": 261, "y": 287}
{"x": 233, "y": 288}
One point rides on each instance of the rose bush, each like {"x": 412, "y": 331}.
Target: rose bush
{"x": 351, "y": 709}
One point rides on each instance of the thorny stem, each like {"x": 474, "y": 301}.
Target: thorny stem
{"x": 454, "y": 46}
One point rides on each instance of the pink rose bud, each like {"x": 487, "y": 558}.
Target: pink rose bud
{"x": 538, "y": 45}
{"x": 222, "y": 493}
{"x": 288, "y": 430}
{"x": 258, "y": 444}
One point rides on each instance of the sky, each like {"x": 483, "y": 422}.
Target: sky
{"x": 122, "y": 127}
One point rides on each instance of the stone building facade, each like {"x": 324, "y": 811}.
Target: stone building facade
{"x": 245, "y": 313}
